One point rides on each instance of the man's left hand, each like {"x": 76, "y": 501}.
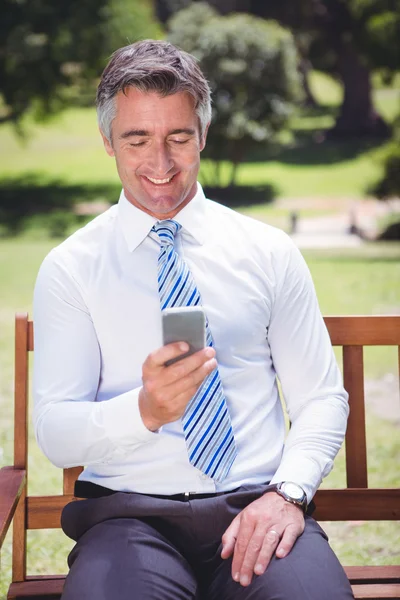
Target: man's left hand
{"x": 267, "y": 525}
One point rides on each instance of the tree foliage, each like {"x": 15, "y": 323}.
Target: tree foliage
{"x": 44, "y": 47}
{"x": 51, "y": 51}
{"x": 251, "y": 67}
{"x": 126, "y": 21}
{"x": 346, "y": 38}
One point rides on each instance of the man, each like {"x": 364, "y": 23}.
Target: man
{"x": 163, "y": 517}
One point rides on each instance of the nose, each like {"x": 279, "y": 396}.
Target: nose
{"x": 161, "y": 160}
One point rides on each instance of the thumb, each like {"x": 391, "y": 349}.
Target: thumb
{"x": 229, "y": 538}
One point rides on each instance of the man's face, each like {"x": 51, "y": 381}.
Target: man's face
{"x": 156, "y": 143}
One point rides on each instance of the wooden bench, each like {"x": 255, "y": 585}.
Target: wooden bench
{"x": 354, "y": 503}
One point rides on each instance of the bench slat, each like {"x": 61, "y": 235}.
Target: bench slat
{"x": 44, "y": 512}
{"x": 37, "y": 588}
{"x": 357, "y": 505}
{"x": 373, "y": 574}
{"x": 46, "y": 586}
{"x": 377, "y": 591}
{"x": 369, "y": 330}
{"x": 383, "y": 330}
{"x": 356, "y": 443}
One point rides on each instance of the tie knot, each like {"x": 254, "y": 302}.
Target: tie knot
{"x": 166, "y": 231}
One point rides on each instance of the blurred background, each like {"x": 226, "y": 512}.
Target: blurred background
{"x": 305, "y": 136}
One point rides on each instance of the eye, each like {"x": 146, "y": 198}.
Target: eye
{"x": 136, "y": 144}
{"x": 180, "y": 141}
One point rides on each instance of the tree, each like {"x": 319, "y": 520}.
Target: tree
{"x": 350, "y": 40}
{"x": 45, "y": 46}
{"x": 347, "y": 38}
{"x": 251, "y": 67}
{"x": 49, "y": 49}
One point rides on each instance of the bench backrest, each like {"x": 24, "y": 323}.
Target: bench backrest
{"x": 355, "y": 502}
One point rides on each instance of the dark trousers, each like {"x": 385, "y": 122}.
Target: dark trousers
{"x": 137, "y": 547}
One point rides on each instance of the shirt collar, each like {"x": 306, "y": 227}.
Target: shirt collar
{"x": 136, "y": 224}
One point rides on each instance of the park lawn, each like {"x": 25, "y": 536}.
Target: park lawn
{"x": 311, "y": 171}
{"x": 360, "y": 281}
{"x": 69, "y": 148}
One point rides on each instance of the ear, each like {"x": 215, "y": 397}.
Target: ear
{"x": 107, "y": 144}
{"x": 204, "y": 137}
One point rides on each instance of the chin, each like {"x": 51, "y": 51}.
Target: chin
{"x": 166, "y": 205}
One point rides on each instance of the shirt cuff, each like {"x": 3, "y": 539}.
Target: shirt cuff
{"x": 123, "y": 422}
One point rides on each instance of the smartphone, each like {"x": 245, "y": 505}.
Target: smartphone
{"x": 184, "y": 324}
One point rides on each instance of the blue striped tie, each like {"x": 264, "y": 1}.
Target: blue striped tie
{"x": 206, "y": 421}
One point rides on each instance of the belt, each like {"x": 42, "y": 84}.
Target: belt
{"x": 87, "y": 489}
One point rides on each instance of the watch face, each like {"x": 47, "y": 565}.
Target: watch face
{"x": 293, "y": 490}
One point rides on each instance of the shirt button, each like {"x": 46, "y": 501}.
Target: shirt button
{"x": 204, "y": 476}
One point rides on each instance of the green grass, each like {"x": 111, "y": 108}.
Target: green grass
{"x": 347, "y": 178}
{"x": 56, "y": 153}
{"x": 313, "y": 170}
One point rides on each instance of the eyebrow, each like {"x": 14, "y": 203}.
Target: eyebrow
{"x": 188, "y": 131}
{"x": 143, "y": 132}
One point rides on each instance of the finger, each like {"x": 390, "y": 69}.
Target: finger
{"x": 189, "y": 365}
{"x": 188, "y": 385}
{"x": 271, "y": 541}
{"x": 247, "y": 526}
{"x": 288, "y": 540}
{"x": 229, "y": 538}
{"x": 254, "y": 547}
{"x": 160, "y": 403}
{"x": 159, "y": 357}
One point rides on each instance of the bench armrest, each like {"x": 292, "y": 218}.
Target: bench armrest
{"x": 12, "y": 483}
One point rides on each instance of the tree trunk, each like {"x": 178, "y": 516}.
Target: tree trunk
{"x": 233, "y": 175}
{"x": 357, "y": 117}
{"x": 304, "y": 69}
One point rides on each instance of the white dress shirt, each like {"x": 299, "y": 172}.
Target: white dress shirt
{"x": 97, "y": 317}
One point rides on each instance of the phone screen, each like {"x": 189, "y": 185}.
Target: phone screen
{"x": 184, "y": 324}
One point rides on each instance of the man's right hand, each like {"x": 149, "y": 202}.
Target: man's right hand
{"x": 167, "y": 390}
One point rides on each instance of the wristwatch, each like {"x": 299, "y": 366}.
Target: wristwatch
{"x": 292, "y": 492}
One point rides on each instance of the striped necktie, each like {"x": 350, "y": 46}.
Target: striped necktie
{"x": 206, "y": 422}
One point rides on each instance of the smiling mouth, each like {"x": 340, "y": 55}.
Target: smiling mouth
{"x": 159, "y": 181}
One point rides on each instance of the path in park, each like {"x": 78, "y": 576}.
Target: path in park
{"x": 333, "y": 230}
{"x": 325, "y": 232}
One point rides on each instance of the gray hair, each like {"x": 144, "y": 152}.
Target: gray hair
{"x": 152, "y": 65}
